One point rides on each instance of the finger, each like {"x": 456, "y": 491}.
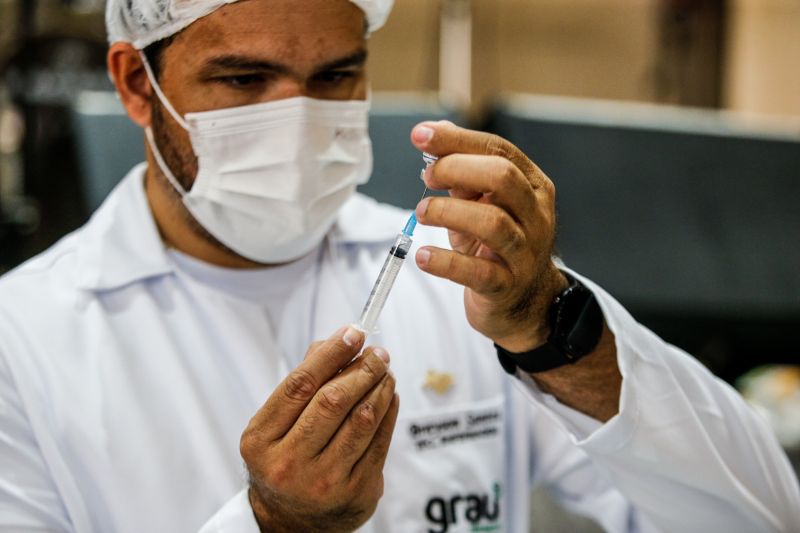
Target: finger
{"x": 444, "y": 138}
{"x": 491, "y": 225}
{"x": 358, "y": 430}
{"x": 480, "y": 274}
{"x": 290, "y": 398}
{"x": 312, "y": 348}
{"x": 380, "y": 352}
{"x": 371, "y": 463}
{"x": 464, "y": 194}
{"x": 327, "y": 411}
{"x": 474, "y": 175}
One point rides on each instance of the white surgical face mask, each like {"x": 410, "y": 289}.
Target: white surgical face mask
{"x": 271, "y": 177}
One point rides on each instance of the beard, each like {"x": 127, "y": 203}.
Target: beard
{"x": 182, "y": 162}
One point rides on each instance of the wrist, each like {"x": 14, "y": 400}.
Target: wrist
{"x": 576, "y": 324}
{"x": 535, "y": 332}
{"x": 259, "y": 510}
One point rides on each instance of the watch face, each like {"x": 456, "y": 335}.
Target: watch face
{"x": 577, "y": 322}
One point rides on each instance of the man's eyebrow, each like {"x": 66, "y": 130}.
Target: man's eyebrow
{"x": 245, "y": 63}
{"x": 356, "y": 59}
{"x": 235, "y": 62}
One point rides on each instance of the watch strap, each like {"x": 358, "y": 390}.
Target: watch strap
{"x": 541, "y": 359}
{"x": 563, "y": 346}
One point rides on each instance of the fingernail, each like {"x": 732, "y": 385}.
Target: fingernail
{"x": 423, "y": 256}
{"x": 423, "y": 134}
{"x": 422, "y": 207}
{"x": 339, "y": 333}
{"x": 351, "y": 337}
{"x": 426, "y": 174}
{"x": 383, "y": 354}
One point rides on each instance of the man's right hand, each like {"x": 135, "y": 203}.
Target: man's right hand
{"x": 316, "y": 449}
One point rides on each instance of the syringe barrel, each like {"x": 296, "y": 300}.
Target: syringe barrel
{"x": 383, "y": 285}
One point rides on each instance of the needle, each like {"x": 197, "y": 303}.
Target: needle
{"x": 422, "y": 177}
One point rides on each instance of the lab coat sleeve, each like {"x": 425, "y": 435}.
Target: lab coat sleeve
{"x": 684, "y": 449}
{"x": 572, "y": 479}
{"x": 29, "y": 499}
{"x": 236, "y": 516}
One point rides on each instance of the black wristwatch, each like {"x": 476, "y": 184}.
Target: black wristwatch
{"x": 576, "y": 324}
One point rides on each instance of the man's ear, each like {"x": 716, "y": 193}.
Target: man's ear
{"x": 130, "y": 78}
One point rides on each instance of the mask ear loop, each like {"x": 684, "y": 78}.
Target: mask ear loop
{"x": 148, "y": 133}
{"x": 160, "y": 94}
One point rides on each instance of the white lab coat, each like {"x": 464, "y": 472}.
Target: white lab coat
{"x": 125, "y": 385}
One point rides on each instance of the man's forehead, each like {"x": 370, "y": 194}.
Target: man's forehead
{"x": 274, "y": 29}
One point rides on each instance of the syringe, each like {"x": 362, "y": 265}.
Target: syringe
{"x": 391, "y": 267}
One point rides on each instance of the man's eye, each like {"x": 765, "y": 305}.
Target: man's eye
{"x": 335, "y": 76}
{"x": 242, "y": 81}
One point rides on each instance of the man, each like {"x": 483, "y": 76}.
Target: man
{"x": 133, "y": 353}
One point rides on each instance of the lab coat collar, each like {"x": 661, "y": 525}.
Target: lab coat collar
{"x": 363, "y": 220}
{"x": 121, "y": 243}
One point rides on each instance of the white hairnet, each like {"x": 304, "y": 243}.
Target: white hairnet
{"x": 143, "y": 22}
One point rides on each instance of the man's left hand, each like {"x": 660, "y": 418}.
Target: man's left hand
{"x": 501, "y": 220}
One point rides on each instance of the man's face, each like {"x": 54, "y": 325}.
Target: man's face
{"x": 255, "y": 51}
